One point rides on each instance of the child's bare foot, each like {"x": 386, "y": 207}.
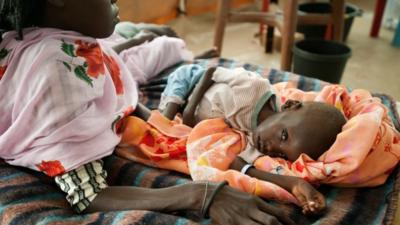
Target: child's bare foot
{"x": 310, "y": 199}
{"x": 211, "y": 53}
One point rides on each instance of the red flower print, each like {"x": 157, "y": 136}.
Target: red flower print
{"x": 377, "y": 139}
{"x": 283, "y": 99}
{"x": 358, "y": 98}
{"x": 388, "y": 147}
{"x": 51, "y": 168}
{"x": 119, "y": 122}
{"x": 299, "y": 167}
{"x": 115, "y": 72}
{"x": 2, "y": 71}
{"x": 94, "y": 57}
{"x": 148, "y": 140}
{"x": 156, "y": 158}
{"x": 128, "y": 111}
{"x": 396, "y": 140}
{"x": 180, "y": 150}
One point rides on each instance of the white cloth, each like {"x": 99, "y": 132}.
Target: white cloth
{"x": 62, "y": 95}
{"x": 238, "y": 96}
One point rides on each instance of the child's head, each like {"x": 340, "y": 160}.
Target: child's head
{"x": 95, "y": 18}
{"x": 309, "y": 128}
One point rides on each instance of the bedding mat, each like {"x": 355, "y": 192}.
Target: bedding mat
{"x": 28, "y": 197}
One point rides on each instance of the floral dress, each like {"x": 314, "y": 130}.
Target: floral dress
{"x": 63, "y": 96}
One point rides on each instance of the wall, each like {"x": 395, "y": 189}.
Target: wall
{"x": 150, "y": 11}
{"x": 161, "y": 11}
{"x": 195, "y": 7}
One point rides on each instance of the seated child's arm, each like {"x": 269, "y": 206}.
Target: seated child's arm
{"x": 171, "y": 110}
{"x": 142, "y": 112}
{"x": 189, "y": 197}
{"x": 198, "y": 93}
{"x": 137, "y": 40}
{"x": 311, "y": 200}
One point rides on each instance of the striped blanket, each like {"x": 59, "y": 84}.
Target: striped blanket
{"x": 27, "y": 197}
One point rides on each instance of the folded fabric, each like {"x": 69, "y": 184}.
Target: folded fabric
{"x": 158, "y": 142}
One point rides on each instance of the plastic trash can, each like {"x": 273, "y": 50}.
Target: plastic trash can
{"x": 324, "y": 60}
{"x": 319, "y": 31}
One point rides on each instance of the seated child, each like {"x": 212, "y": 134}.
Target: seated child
{"x": 248, "y": 103}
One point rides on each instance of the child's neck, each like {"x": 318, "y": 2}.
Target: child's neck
{"x": 266, "y": 111}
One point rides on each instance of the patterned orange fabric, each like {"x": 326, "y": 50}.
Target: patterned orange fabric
{"x": 158, "y": 142}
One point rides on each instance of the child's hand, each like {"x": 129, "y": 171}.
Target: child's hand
{"x": 310, "y": 199}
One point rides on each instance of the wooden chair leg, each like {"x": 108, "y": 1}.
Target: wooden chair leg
{"x": 269, "y": 36}
{"x": 288, "y": 31}
{"x": 378, "y": 14}
{"x": 269, "y": 40}
{"x": 223, "y": 9}
{"x": 338, "y": 12}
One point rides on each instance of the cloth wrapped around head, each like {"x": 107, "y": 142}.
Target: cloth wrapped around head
{"x": 364, "y": 153}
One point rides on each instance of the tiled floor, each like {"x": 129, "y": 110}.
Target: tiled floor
{"x": 375, "y": 64}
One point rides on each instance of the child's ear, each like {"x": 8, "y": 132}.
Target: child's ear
{"x": 291, "y": 105}
{"x": 56, "y": 3}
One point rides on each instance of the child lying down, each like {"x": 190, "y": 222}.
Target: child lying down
{"x": 213, "y": 145}
{"x": 248, "y": 103}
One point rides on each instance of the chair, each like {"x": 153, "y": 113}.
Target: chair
{"x": 286, "y": 23}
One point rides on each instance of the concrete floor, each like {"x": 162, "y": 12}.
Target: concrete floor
{"x": 375, "y": 64}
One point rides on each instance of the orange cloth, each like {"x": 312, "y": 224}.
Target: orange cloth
{"x": 159, "y": 142}
{"x": 364, "y": 153}
{"x": 211, "y": 148}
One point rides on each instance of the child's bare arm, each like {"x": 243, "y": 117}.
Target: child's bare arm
{"x": 311, "y": 200}
{"x": 197, "y": 94}
{"x": 130, "y": 198}
{"x": 142, "y": 112}
{"x": 138, "y": 40}
{"x": 190, "y": 196}
{"x": 171, "y": 110}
